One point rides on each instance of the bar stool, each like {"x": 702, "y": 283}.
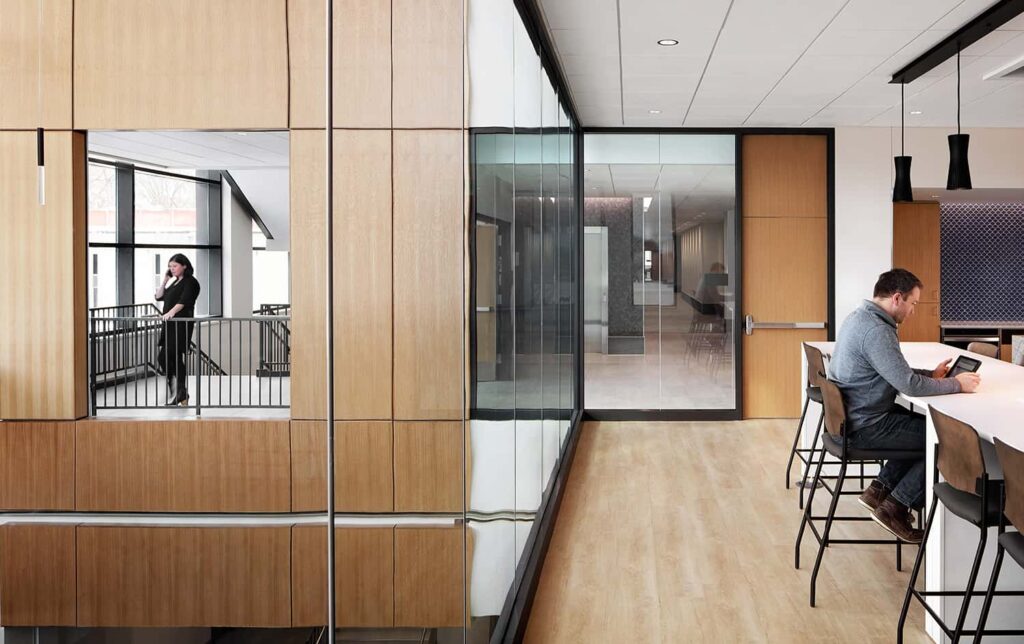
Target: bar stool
{"x": 967, "y": 492}
{"x": 1012, "y": 462}
{"x": 833, "y": 443}
{"x": 815, "y": 374}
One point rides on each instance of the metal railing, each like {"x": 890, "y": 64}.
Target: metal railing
{"x": 135, "y": 362}
{"x": 275, "y": 340}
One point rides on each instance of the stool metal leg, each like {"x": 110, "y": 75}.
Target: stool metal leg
{"x": 796, "y": 440}
{"x": 807, "y": 510}
{"x": 971, "y": 579}
{"x": 810, "y": 455}
{"x": 988, "y": 595}
{"x": 828, "y": 528}
{"x": 916, "y": 570}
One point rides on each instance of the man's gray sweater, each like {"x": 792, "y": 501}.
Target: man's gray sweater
{"x": 870, "y": 369}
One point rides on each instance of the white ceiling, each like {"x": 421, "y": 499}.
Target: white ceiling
{"x": 258, "y": 161}
{"x": 780, "y": 63}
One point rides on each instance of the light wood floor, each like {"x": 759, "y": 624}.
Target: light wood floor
{"x": 684, "y": 532}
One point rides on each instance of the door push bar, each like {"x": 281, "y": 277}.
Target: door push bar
{"x": 749, "y": 326}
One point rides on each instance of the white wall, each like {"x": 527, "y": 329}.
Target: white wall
{"x": 864, "y": 176}
{"x": 237, "y": 256}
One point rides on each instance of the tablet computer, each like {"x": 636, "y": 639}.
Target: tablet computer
{"x": 963, "y": 364}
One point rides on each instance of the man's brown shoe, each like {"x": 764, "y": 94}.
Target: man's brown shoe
{"x": 873, "y": 495}
{"x": 895, "y": 517}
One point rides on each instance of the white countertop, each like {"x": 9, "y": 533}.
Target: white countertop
{"x": 995, "y": 410}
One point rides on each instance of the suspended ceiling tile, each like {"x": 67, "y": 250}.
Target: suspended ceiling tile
{"x": 886, "y": 14}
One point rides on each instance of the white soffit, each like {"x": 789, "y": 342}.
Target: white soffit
{"x": 789, "y": 63}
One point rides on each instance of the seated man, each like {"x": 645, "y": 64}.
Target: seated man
{"x": 869, "y": 369}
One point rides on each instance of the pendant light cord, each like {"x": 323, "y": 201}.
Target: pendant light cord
{"x": 958, "y": 89}
{"x": 903, "y": 111}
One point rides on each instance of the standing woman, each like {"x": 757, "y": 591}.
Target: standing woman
{"x": 175, "y": 337}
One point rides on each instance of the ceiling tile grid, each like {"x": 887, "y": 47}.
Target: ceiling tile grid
{"x": 786, "y": 63}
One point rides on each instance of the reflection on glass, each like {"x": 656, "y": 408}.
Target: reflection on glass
{"x": 659, "y": 236}
{"x": 165, "y": 209}
{"x": 523, "y": 289}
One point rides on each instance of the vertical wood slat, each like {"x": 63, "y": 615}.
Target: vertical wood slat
{"x": 134, "y": 61}
{"x": 363, "y": 276}
{"x": 37, "y": 575}
{"x": 37, "y": 466}
{"x": 169, "y": 576}
{"x": 427, "y": 56}
{"x": 428, "y": 260}
{"x": 362, "y": 63}
{"x": 23, "y": 103}
{"x": 364, "y": 580}
{"x": 363, "y": 466}
{"x": 44, "y": 252}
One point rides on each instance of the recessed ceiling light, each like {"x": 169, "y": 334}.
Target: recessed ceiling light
{"x": 915, "y": 112}
{"x": 668, "y": 42}
{"x": 654, "y": 111}
{"x": 242, "y": 133}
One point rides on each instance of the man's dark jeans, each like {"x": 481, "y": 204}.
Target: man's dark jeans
{"x": 899, "y": 429}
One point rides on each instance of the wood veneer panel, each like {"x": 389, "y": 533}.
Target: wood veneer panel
{"x": 785, "y": 176}
{"x": 182, "y": 466}
{"x": 24, "y": 103}
{"x": 427, "y": 52}
{"x": 362, "y": 464}
{"x": 37, "y": 575}
{"x": 785, "y": 276}
{"x": 429, "y": 587}
{"x": 308, "y": 231}
{"x": 428, "y": 275}
{"x": 429, "y": 467}
{"x": 163, "y": 576}
{"x": 916, "y": 244}
{"x": 44, "y": 252}
{"x": 923, "y": 325}
{"x": 362, "y": 274}
{"x": 362, "y": 63}
{"x": 364, "y": 576}
{"x": 189, "y": 64}
{"x": 37, "y": 466}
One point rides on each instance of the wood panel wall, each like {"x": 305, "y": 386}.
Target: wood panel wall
{"x": 188, "y": 64}
{"x": 182, "y": 466}
{"x": 363, "y": 461}
{"x": 37, "y": 466}
{"x": 164, "y": 576}
{"x": 35, "y": 64}
{"x": 37, "y": 575}
{"x": 43, "y": 250}
{"x": 362, "y": 63}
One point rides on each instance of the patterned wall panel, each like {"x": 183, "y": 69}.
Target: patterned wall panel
{"x": 982, "y": 251}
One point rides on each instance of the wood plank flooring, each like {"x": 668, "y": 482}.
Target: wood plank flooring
{"x": 684, "y": 532}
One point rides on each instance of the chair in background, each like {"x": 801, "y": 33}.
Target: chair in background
{"x": 984, "y": 348}
{"x": 815, "y": 374}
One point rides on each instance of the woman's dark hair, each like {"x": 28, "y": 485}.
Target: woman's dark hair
{"x": 178, "y": 258}
{"x": 898, "y": 280}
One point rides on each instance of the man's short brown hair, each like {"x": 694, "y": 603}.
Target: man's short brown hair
{"x": 898, "y": 280}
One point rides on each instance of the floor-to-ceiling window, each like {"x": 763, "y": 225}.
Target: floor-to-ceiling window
{"x": 659, "y": 277}
{"x": 524, "y": 315}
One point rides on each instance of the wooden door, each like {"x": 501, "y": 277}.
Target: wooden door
{"x": 785, "y": 264}
{"x": 916, "y": 247}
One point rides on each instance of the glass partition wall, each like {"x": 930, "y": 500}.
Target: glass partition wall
{"x": 659, "y": 249}
{"x": 524, "y": 255}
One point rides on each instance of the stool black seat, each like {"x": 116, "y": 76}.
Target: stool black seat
{"x": 968, "y": 493}
{"x": 833, "y": 443}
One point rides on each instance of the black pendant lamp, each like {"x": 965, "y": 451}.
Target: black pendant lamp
{"x": 959, "y": 177}
{"x": 902, "y": 191}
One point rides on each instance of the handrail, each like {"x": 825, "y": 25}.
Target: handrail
{"x": 229, "y": 362}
